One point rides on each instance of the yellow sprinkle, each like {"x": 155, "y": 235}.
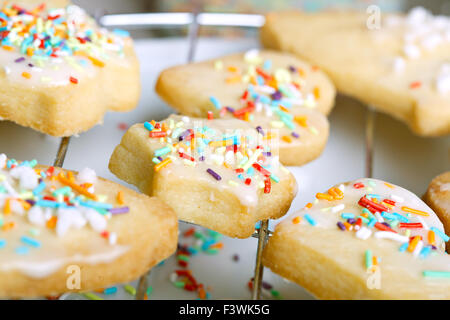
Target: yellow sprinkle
{"x": 162, "y": 164}
{"x": 415, "y": 211}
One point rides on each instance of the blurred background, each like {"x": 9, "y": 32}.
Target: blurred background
{"x": 100, "y": 7}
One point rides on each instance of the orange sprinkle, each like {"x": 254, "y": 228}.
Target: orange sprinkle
{"x": 75, "y": 187}
{"x": 30, "y": 51}
{"x": 9, "y": 48}
{"x": 316, "y": 92}
{"x": 336, "y": 193}
{"x": 162, "y": 164}
{"x": 309, "y": 205}
{"x": 324, "y": 196}
{"x": 301, "y": 120}
{"x": 283, "y": 108}
{"x": 26, "y": 75}
{"x": 232, "y": 69}
{"x": 301, "y": 72}
{"x": 348, "y": 226}
{"x": 413, "y": 243}
{"x": 287, "y": 139}
{"x": 314, "y": 68}
{"x": 389, "y": 185}
{"x": 235, "y": 79}
{"x": 70, "y": 176}
{"x": 8, "y": 226}
{"x": 218, "y": 245}
{"x": 51, "y": 223}
{"x": 7, "y": 207}
{"x": 374, "y": 261}
{"x": 119, "y": 197}
{"x": 415, "y": 211}
{"x": 25, "y": 204}
{"x": 431, "y": 238}
{"x": 96, "y": 62}
{"x": 296, "y": 220}
{"x": 415, "y": 85}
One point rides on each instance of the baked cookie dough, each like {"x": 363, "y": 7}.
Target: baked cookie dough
{"x": 59, "y": 71}
{"x": 57, "y": 224}
{"x": 220, "y": 174}
{"x": 438, "y": 198}
{"x": 265, "y": 88}
{"x": 400, "y": 66}
{"x": 366, "y": 239}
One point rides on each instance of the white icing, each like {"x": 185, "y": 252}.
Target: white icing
{"x": 87, "y": 175}
{"x": 443, "y": 79}
{"x": 325, "y": 218}
{"x": 56, "y": 247}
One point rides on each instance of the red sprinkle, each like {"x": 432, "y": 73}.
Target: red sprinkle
{"x": 415, "y": 85}
{"x": 267, "y": 185}
{"x": 73, "y": 80}
{"x": 157, "y": 134}
{"x": 417, "y": 225}
{"x": 358, "y": 185}
{"x": 383, "y": 227}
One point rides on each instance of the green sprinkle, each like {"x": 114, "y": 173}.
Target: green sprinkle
{"x": 130, "y": 289}
{"x": 183, "y": 257}
{"x": 436, "y": 274}
{"x": 211, "y": 251}
{"x": 91, "y": 296}
{"x": 179, "y": 284}
{"x": 368, "y": 259}
{"x": 149, "y": 291}
{"x": 275, "y": 294}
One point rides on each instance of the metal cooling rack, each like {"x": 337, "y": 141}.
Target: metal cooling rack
{"x": 193, "y": 21}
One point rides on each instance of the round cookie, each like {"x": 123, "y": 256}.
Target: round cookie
{"x": 365, "y": 239}
{"x": 221, "y": 174}
{"x": 399, "y": 66}
{"x": 63, "y": 231}
{"x": 438, "y": 198}
{"x": 60, "y": 71}
{"x": 265, "y": 88}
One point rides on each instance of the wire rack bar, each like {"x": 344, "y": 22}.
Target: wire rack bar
{"x": 181, "y": 19}
{"x": 370, "y": 132}
{"x": 62, "y": 150}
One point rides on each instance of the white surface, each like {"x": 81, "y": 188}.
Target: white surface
{"x": 400, "y": 157}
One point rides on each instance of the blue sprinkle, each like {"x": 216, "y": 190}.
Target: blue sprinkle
{"x": 403, "y": 247}
{"x": 310, "y": 220}
{"x": 148, "y": 126}
{"x": 425, "y": 252}
{"x": 2, "y": 243}
{"x": 121, "y": 32}
{"x": 110, "y": 290}
{"x": 267, "y": 65}
{"x": 442, "y": 235}
{"x": 39, "y": 188}
{"x": 30, "y": 241}
{"x": 22, "y": 250}
{"x": 347, "y": 216}
{"x": 215, "y": 102}
{"x": 372, "y": 222}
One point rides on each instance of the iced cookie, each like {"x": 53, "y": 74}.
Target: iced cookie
{"x": 399, "y": 63}
{"x": 438, "y": 198}
{"x": 366, "y": 239}
{"x": 268, "y": 89}
{"x": 60, "y": 72}
{"x": 55, "y": 224}
{"x": 221, "y": 174}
